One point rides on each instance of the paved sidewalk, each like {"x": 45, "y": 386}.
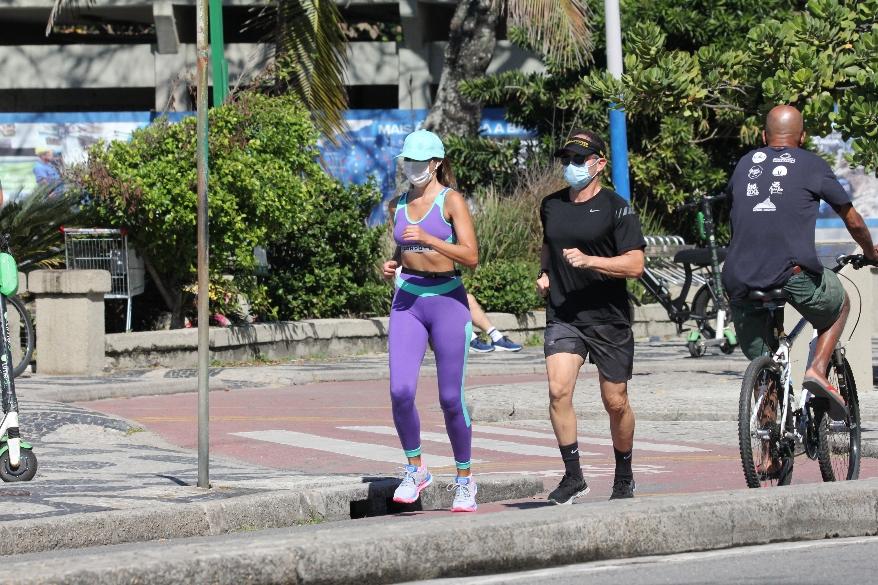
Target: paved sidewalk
{"x": 103, "y": 479}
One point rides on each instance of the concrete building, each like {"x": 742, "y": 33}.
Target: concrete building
{"x": 124, "y": 55}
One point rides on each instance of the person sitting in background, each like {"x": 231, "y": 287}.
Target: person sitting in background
{"x": 45, "y": 169}
{"x": 496, "y": 339}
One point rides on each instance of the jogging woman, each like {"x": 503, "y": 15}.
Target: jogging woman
{"x": 433, "y": 228}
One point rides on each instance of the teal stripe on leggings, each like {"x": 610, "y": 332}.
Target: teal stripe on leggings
{"x": 469, "y": 334}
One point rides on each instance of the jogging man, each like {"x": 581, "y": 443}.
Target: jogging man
{"x": 775, "y": 193}
{"x": 591, "y": 243}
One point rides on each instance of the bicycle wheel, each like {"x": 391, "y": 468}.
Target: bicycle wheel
{"x": 767, "y": 460}
{"x": 704, "y": 311}
{"x": 839, "y": 441}
{"x": 21, "y": 335}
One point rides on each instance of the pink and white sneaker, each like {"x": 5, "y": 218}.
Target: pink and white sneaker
{"x": 464, "y": 495}
{"x": 415, "y": 480}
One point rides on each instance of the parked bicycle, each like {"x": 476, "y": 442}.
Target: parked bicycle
{"x": 773, "y": 427}
{"x": 709, "y": 307}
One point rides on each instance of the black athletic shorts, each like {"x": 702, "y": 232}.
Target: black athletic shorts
{"x": 609, "y": 346}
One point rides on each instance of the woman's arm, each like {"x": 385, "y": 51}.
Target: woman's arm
{"x": 466, "y": 250}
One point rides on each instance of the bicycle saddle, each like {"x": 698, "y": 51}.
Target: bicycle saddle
{"x": 767, "y": 296}
{"x": 698, "y": 256}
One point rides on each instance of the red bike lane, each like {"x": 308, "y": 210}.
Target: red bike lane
{"x": 347, "y": 428}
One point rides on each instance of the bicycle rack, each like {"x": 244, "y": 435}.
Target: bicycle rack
{"x": 660, "y": 251}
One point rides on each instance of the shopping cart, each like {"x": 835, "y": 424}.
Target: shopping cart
{"x": 106, "y": 249}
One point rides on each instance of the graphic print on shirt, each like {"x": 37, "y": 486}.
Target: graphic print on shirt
{"x": 755, "y": 172}
{"x": 785, "y": 158}
{"x": 766, "y": 205}
{"x": 775, "y": 188}
{"x": 779, "y": 171}
{"x": 758, "y": 157}
{"x": 752, "y": 190}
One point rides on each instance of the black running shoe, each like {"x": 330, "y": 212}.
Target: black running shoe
{"x": 569, "y": 488}
{"x": 622, "y": 488}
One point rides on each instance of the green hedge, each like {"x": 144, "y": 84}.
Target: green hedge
{"x": 505, "y": 286}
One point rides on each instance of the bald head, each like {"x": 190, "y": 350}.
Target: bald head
{"x": 784, "y": 127}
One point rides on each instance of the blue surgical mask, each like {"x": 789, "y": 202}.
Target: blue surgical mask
{"x": 578, "y": 176}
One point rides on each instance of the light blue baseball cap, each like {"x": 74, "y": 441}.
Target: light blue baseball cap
{"x": 422, "y": 145}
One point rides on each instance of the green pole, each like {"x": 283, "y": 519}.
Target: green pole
{"x": 217, "y": 54}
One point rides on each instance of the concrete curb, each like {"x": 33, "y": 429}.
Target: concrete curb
{"x": 243, "y": 513}
{"x": 369, "y": 552}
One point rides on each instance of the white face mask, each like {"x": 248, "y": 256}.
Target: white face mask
{"x": 417, "y": 171}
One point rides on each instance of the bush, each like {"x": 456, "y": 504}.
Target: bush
{"x": 508, "y": 224}
{"x": 327, "y": 267}
{"x": 266, "y": 188}
{"x": 505, "y": 286}
{"x": 33, "y": 224}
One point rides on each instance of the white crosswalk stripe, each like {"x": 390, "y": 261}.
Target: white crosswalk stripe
{"x": 638, "y": 445}
{"x": 478, "y": 443}
{"x": 341, "y": 447}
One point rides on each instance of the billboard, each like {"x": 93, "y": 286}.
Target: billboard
{"x": 374, "y": 138}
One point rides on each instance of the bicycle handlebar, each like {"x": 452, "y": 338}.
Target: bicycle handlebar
{"x": 856, "y": 260}
{"x": 696, "y": 202}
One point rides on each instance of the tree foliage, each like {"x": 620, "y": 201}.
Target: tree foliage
{"x": 265, "y": 186}
{"x": 699, "y": 78}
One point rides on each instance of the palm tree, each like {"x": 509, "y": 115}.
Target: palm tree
{"x": 33, "y": 224}
{"x": 558, "y": 29}
{"x": 310, "y": 54}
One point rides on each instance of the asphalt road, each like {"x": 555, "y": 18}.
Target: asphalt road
{"x": 850, "y": 560}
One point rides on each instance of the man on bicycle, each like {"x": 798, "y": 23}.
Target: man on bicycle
{"x": 775, "y": 194}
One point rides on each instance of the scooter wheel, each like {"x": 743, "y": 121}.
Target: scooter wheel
{"x": 696, "y": 348}
{"x": 26, "y": 470}
{"x": 727, "y": 348}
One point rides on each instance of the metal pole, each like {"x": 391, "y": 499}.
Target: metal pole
{"x": 202, "y": 55}
{"x": 217, "y": 48}
{"x": 618, "y": 138}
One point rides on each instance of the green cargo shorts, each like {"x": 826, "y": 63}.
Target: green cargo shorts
{"x": 818, "y": 297}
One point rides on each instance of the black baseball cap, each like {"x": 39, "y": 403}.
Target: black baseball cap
{"x": 582, "y": 143}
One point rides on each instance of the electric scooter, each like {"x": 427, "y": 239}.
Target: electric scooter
{"x": 17, "y": 459}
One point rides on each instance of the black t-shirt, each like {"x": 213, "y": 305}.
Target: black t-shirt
{"x": 775, "y": 195}
{"x": 606, "y": 226}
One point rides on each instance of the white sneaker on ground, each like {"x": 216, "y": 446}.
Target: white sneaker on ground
{"x": 415, "y": 480}
{"x": 464, "y": 494}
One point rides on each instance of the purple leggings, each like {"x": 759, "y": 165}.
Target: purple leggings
{"x": 434, "y": 309}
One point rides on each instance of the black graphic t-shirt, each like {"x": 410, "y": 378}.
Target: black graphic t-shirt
{"x": 775, "y": 195}
{"x": 605, "y": 225}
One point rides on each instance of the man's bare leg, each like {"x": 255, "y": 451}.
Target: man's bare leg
{"x": 479, "y": 318}
{"x": 562, "y": 369}
{"x": 826, "y": 342}
{"x": 615, "y": 397}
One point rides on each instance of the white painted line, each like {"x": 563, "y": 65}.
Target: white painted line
{"x": 638, "y": 445}
{"x": 342, "y": 447}
{"x": 478, "y": 443}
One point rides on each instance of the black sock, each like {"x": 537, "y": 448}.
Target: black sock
{"x": 570, "y": 455}
{"x": 623, "y": 464}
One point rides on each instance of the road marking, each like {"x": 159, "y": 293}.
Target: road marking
{"x": 341, "y": 447}
{"x": 478, "y": 443}
{"x": 638, "y": 445}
